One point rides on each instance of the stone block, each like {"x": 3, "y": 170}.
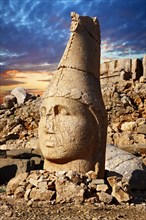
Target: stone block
{"x": 104, "y": 69}
{"x": 9, "y": 168}
{"x": 41, "y": 195}
{"x": 127, "y": 165}
{"x": 128, "y": 126}
{"x": 68, "y": 191}
{"x": 102, "y": 187}
{"x": 120, "y": 189}
{"x": 105, "y": 197}
{"x": 141, "y": 129}
{"x": 144, "y": 67}
{"x": 137, "y": 69}
{"x": 124, "y": 64}
{"x": 15, "y": 182}
{"x": 9, "y": 101}
{"x": 20, "y": 94}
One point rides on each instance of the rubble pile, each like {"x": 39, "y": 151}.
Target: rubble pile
{"x": 126, "y": 107}
{"x": 61, "y": 187}
{"x": 19, "y": 122}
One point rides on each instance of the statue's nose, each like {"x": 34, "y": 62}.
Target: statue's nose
{"x": 49, "y": 124}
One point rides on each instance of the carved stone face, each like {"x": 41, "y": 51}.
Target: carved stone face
{"x": 66, "y": 130}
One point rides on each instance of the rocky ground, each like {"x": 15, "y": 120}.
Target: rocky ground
{"x": 18, "y": 209}
{"x": 126, "y": 106}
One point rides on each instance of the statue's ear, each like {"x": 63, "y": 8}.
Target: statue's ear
{"x": 75, "y": 21}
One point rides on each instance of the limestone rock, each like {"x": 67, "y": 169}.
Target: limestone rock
{"x": 42, "y": 185}
{"x": 120, "y": 189}
{"x": 15, "y": 182}
{"x": 41, "y": 194}
{"x": 128, "y": 126}
{"x": 9, "y": 101}
{"x": 136, "y": 69}
{"x": 13, "y": 162}
{"x": 67, "y": 191}
{"x": 142, "y": 129}
{"x": 20, "y": 94}
{"x": 144, "y": 67}
{"x": 128, "y": 165}
{"x": 9, "y": 168}
{"x": 102, "y": 187}
{"x": 105, "y": 197}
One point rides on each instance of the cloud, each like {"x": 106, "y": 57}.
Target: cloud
{"x": 6, "y": 54}
{"x": 7, "y": 78}
{"x": 36, "y": 32}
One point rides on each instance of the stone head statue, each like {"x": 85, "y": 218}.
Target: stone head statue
{"x": 73, "y": 123}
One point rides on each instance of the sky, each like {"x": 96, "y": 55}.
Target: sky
{"x": 34, "y": 33}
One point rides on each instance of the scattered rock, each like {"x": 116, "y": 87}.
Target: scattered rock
{"x": 20, "y": 94}
{"x": 120, "y": 189}
{"x": 58, "y": 187}
{"x": 127, "y": 165}
{"x": 105, "y": 197}
{"x": 9, "y": 101}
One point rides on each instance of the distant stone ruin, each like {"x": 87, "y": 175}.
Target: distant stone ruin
{"x": 73, "y": 124}
{"x": 123, "y": 69}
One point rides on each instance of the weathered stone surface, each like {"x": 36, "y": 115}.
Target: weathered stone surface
{"x": 128, "y": 126}
{"x": 121, "y": 70}
{"x": 19, "y": 125}
{"x": 126, "y": 107}
{"x": 16, "y": 161}
{"x": 105, "y": 197}
{"x": 127, "y": 165}
{"x": 9, "y": 168}
{"x": 41, "y": 194}
{"x": 67, "y": 191}
{"x": 20, "y": 94}
{"x": 144, "y": 67}
{"x": 137, "y": 69}
{"x": 19, "y": 192}
{"x": 102, "y": 187}
{"x": 15, "y": 182}
{"x": 73, "y": 124}
{"x": 60, "y": 187}
{"x": 141, "y": 129}
{"x": 9, "y": 101}
{"x": 120, "y": 189}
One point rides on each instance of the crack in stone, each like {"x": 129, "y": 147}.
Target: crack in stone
{"x": 74, "y": 68}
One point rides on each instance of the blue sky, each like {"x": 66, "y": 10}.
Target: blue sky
{"x": 34, "y": 32}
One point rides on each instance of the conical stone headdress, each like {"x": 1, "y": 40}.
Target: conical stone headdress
{"x": 77, "y": 76}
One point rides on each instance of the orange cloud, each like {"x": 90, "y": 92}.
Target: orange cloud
{"x": 36, "y": 82}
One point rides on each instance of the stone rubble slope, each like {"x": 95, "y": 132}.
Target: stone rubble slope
{"x": 126, "y": 107}
{"x": 19, "y": 123}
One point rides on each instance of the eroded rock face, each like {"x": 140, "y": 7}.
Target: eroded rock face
{"x": 73, "y": 124}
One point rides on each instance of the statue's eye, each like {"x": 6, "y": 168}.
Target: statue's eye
{"x": 63, "y": 110}
{"x": 43, "y": 111}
